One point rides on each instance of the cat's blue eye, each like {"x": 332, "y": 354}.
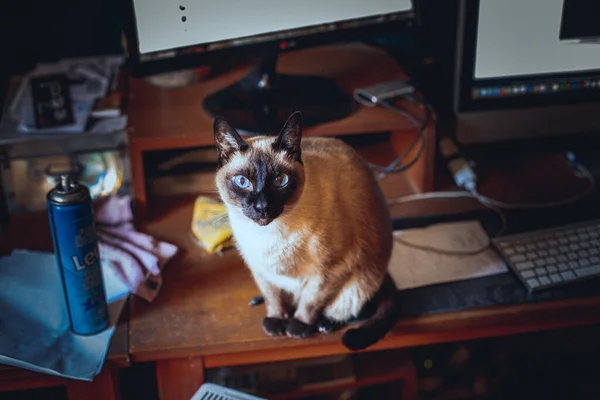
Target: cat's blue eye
{"x": 241, "y": 181}
{"x": 281, "y": 180}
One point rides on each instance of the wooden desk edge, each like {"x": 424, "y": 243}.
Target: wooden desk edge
{"x": 225, "y": 355}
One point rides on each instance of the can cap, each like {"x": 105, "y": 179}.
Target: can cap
{"x": 68, "y": 191}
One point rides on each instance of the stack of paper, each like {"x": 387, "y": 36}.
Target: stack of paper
{"x": 34, "y": 325}
{"x": 443, "y": 253}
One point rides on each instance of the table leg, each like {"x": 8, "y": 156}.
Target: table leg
{"x": 179, "y": 379}
{"x": 140, "y": 200}
{"x": 104, "y": 387}
{"x": 409, "y": 386}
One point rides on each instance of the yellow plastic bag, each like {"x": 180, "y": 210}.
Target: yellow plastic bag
{"x": 210, "y": 225}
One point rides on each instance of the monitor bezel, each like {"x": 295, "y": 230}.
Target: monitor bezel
{"x": 254, "y": 51}
{"x": 465, "y": 81}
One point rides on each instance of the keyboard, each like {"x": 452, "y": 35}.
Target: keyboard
{"x": 553, "y": 257}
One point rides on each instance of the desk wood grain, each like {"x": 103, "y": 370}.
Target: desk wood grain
{"x": 202, "y": 310}
{"x": 162, "y": 118}
{"x": 173, "y": 118}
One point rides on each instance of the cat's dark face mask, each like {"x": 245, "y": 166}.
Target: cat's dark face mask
{"x": 262, "y": 188}
{"x": 261, "y": 177}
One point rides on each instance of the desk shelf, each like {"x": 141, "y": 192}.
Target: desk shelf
{"x": 163, "y": 119}
{"x": 369, "y": 370}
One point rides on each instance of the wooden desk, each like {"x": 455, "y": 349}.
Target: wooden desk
{"x": 201, "y": 318}
{"x": 31, "y": 231}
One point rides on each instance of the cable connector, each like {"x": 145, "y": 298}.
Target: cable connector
{"x": 374, "y": 95}
{"x": 461, "y": 170}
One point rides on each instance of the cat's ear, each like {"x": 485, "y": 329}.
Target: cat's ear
{"x": 227, "y": 141}
{"x": 290, "y": 137}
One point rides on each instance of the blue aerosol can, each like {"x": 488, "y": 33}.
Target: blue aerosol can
{"x": 76, "y": 249}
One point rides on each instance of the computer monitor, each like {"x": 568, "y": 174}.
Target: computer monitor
{"x": 515, "y": 78}
{"x": 166, "y": 36}
{"x": 579, "y": 22}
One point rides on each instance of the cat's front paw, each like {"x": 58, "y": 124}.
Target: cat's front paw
{"x": 274, "y": 326}
{"x": 325, "y": 325}
{"x": 298, "y": 329}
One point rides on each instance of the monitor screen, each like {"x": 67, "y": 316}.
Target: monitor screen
{"x": 512, "y": 55}
{"x": 167, "y": 29}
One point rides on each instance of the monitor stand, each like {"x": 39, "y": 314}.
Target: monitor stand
{"x": 261, "y": 101}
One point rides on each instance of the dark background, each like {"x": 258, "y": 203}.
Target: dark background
{"x": 580, "y": 19}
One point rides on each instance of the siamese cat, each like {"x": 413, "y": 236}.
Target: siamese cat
{"x": 313, "y": 227}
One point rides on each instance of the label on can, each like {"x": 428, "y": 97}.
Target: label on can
{"x": 76, "y": 249}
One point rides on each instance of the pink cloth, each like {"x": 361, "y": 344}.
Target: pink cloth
{"x": 135, "y": 257}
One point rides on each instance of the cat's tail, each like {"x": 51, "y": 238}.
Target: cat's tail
{"x": 383, "y": 320}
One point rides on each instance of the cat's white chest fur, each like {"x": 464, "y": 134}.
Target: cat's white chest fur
{"x": 266, "y": 248}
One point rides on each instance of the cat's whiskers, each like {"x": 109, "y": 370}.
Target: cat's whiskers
{"x": 219, "y": 219}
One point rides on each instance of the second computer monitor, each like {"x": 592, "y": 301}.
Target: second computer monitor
{"x": 516, "y": 78}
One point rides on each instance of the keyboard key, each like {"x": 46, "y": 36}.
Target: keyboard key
{"x": 563, "y": 240}
{"x": 552, "y": 269}
{"x": 532, "y": 255}
{"x": 517, "y": 258}
{"x": 563, "y": 249}
{"x": 531, "y": 246}
{"x": 542, "y": 245}
{"x": 584, "y": 236}
{"x": 541, "y": 271}
{"x": 595, "y": 243}
{"x": 595, "y": 260}
{"x": 533, "y": 283}
{"x": 562, "y": 258}
{"x": 588, "y": 271}
{"x": 574, "y": 247}
{"x": 572, "y": 238}
{"x": 584, "y": 263}
{"x": 520, "y": 249}
{"x": 553, "y": 243}
{"x": 509, "y": 252}
{"x": 553, "y": 252}
{"x": 544, "y": 280}
{"x": 584, "y": 253}
{"x": 572, "y": 256}
{"x": 562, "y": 267}
{"x": 555, "y": 278}
{"x": 524, "y": 265}
{"x": 594, "y": 252}
{"x": 528, "y": 274}
{"x": 551, "y": 260}
{"x": 568, "y": 275}
{"x": 574, "y": 264}
{"x": 543, "y": 253}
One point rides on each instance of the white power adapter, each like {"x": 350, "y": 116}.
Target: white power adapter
{"x": 461, "y": 170}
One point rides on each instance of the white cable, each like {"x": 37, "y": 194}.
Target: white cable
{"x": 448, "y": 195}
{"x": 429, "y": 195}
{"x": 492, "y": 204}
